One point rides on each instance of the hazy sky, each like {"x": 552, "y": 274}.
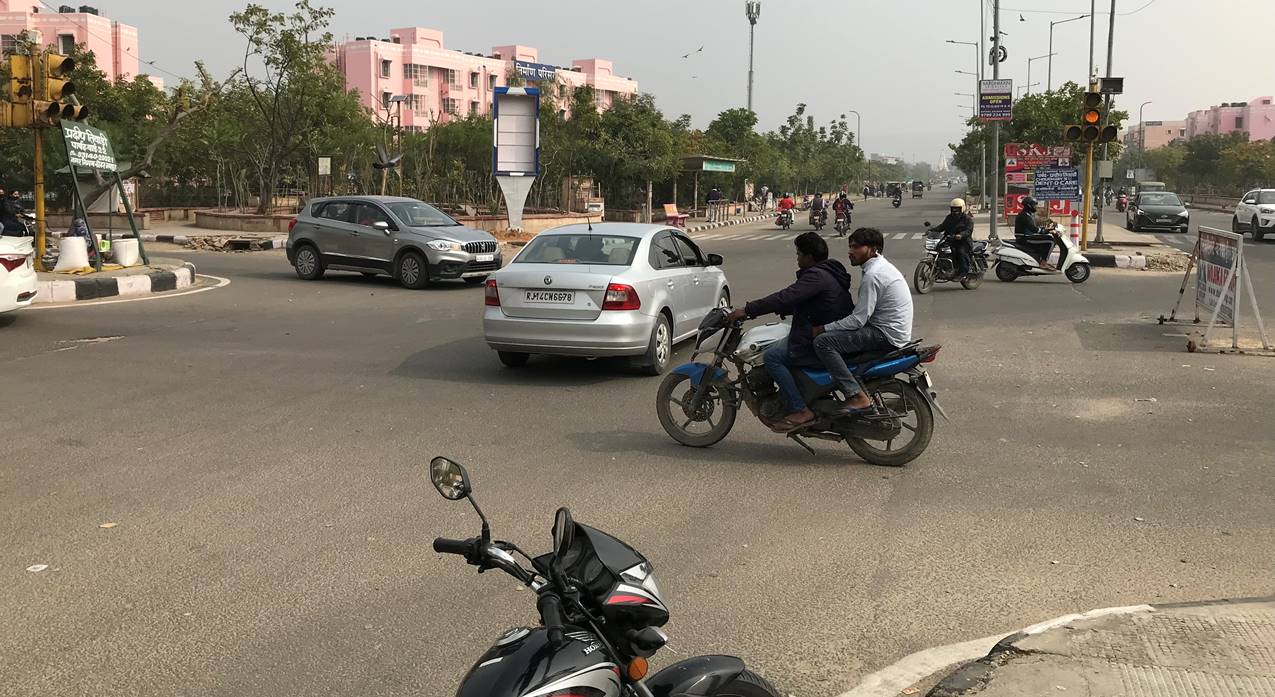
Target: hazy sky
{"x": 887, "y": 60}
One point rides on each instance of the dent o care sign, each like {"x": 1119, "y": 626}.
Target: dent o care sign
{"x": 88, "y": 148}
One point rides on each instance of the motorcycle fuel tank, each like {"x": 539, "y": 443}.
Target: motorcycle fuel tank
{"x": 756, "y": 340}
{"x": 523, "y": 664}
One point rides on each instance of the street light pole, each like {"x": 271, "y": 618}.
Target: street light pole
{"x": 996, "y": 125}
{"x": 978, "y": 83}
{"x": 1049, "y": 73}
{"x": 1142, "y": 134}
{"x": 1029, "y": 69}
{"x": 858, "y": 138}
{"x": 752, "y": 9}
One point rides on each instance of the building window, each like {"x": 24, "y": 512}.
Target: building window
{"x": 473, "y": 80}
{"x": 385, "y": 100}
{"x": 451, "y": 77}
{"x": 491, "y": 82}
{"x": 1239, "y": 122}
{"x": 562, "y": 90}
{"x": 450, "y": 105}
{"x": 8, "y": 43}
{"x": 473, "y": 108}
{"x": 66, "y": 43}
{"x": 385, "y": 68}
{"x": 418, "y": 74}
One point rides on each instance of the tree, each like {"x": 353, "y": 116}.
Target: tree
{"x": 284, "y": 89}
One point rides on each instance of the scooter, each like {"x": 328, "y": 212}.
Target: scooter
{"x": 784, "y": 219}
{"x": 897, "y": 200}
{"x": 1013, "y": 262}
{"x": 601, "y": 611}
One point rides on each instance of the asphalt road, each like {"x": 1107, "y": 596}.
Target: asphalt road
{"x": 261, "y": 450}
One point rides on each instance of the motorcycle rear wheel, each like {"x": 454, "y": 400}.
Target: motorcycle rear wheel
{"x": 902, "y": 399}
{"x": 672, "y": 403}
{"x": 923, "y": 277}
{"x": 747, "y": 684}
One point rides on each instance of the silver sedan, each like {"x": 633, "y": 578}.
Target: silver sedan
{"x": 611, "y": 289}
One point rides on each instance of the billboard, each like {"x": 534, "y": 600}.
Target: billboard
{"x": 1029, "y": 156}
{"x": 995, "y": 100}
{"x": 516, "y": 131}
{"x": 87, "y": 147}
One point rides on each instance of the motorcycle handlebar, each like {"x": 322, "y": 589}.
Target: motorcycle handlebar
{"x": 550, "y": 607}
{"x": 442, "y": 545}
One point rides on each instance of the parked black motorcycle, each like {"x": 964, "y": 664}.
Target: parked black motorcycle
{"x": 939, "y": 265}
{"x": 601, "y": 609}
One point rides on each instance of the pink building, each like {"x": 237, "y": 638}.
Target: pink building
{"x": 1255, "y": 118}
{"x": 114, "y": 44}
{"x": 1158, "y": 133}
{"x": 439, "y": 84}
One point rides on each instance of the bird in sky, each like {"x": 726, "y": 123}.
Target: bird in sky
{"x": 1022, "y": 18}
{"x": 698, "y": 50}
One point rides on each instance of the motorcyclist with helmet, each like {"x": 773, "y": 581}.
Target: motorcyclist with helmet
{"x": 818, "y": 209}
{"x": 1030, "y": 237}
{"x": 842, "y": 207}
{"x": 958, "y": 234}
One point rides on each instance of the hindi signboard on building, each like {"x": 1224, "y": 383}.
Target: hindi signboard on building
{"x": 995, "y": 100}
{"x": 534, "y": 72}
{"x": 87, "y": 147}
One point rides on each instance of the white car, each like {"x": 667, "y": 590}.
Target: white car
{"x": 17, "y": 272}
{"x": 610, "y": 289}
{"x": 1255, "y": 213}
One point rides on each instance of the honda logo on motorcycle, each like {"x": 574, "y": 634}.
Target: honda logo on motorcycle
{"x": 548, "y": 280}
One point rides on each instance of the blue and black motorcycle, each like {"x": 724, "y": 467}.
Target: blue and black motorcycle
{"x": 697, "y": 402}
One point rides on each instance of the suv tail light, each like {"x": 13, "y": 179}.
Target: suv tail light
{"x": 491, "y": 296}
{"x": 621, "y": 297}
{"x": 11, "y": 262}
{"x": 291, "y": 224}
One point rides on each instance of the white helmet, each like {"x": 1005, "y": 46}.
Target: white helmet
{"x": 958, "y": 203}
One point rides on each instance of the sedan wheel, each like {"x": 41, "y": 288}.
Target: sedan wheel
{"x": 723, "y": 300}
{"x": 411, "y": 271}
{"x": 660, "y": 350}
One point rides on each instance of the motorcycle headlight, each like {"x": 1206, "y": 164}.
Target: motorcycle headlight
{"x": 445, "y": 245}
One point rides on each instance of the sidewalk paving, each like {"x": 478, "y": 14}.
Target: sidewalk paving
{"x": 1193, "y": 650}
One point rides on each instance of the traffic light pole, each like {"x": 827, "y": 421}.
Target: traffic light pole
{"x": 1106, "y": 112}
{"x": 1084, "y": 231}
{"x": 38, "y": 192}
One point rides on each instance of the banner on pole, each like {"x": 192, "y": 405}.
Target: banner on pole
{"x": 995, "y": 100}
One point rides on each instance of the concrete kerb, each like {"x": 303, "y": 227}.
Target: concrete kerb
{"x": 79, "y": 289}
{"x": 982, "y": 655}
{"x": 727, "y": 223}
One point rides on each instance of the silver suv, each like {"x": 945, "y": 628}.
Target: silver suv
{"x": 411, "y": 241}
{"x": 1255, "y": 213}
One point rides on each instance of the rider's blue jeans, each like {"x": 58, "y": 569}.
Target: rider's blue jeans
{"x": 777, "y": 361}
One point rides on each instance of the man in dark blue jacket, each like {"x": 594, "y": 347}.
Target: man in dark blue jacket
{"x": 820, "y": 295}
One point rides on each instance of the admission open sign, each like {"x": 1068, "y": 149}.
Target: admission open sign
{"x": 88, "y": 148}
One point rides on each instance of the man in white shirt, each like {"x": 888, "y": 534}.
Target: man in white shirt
{"x": 881, "y": 321}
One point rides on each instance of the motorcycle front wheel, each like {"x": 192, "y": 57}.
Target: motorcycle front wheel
{"x": 916, "y": 426}
{"x": 700, "y": 428}
{"x": 747, "y": 684}
{"x": 923, "y": 277}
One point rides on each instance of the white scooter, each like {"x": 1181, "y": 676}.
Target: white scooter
{"x": 1012, "y": 262}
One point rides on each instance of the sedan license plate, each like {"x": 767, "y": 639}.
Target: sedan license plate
{"x": 485, "y": 257}
{"x": 550, "y": 297}
{"x": 1165, "y": 220}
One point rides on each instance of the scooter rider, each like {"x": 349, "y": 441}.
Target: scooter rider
{"x": 958, "y": 233}
{"x": 1030, "y": 237}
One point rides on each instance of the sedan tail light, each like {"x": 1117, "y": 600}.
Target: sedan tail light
{"x": 621, "y": 297}
{"x": 11, "y": 262}
{"x": 491, "y": 296}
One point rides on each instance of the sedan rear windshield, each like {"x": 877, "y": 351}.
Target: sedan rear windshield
{"x": 605, "y": 250}
{"x": 1266, "y": 197}
{"x": 417, "y": 214}
{"x": 1159, "y": 198}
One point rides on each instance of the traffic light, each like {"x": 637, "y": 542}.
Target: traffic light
{"x": 57, "y": 100}
{"x": 1091, "y": 130}
{"x": 20, "y": 85}
{"x": 15, "y": 115}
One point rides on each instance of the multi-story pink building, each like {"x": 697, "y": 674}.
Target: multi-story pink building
{"x": 1256, "y": 118}
{"x": 1158, "y": 134}
{"x": 437, "y": 84}
{"x": 114, "y": 44}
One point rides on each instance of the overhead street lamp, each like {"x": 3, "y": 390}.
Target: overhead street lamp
{"x": 1142, "y": 135}
{"x": 858, "y": 139}
{"x": 752, "y": 10}
{"x": 1027, "y": 87}
{"x": 978, "y": 85}
{"x": 1049, "y": 73}
{"x": 1029, "y": 69}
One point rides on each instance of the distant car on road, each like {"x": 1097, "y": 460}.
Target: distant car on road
{"x": 1157, "y": 210}
{"x": 411, "y": 241}
{"x": 611, "y": 289}
{"x": 1255, "y": 213}
{"x": 17, "y": 274}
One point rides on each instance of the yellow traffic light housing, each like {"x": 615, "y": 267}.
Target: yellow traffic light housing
{"x": 1072, "y": 134}
{"x": 57, "y": 71}
{"x": 15, "y": 115}
{"x": 1092, "y": 114}
{"x": 20, "y": 85}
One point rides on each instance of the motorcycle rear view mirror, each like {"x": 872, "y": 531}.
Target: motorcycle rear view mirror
{"x": 927, "y": 223}
{"x": 564, "y": 528}
{"x": 450, "y": 478}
